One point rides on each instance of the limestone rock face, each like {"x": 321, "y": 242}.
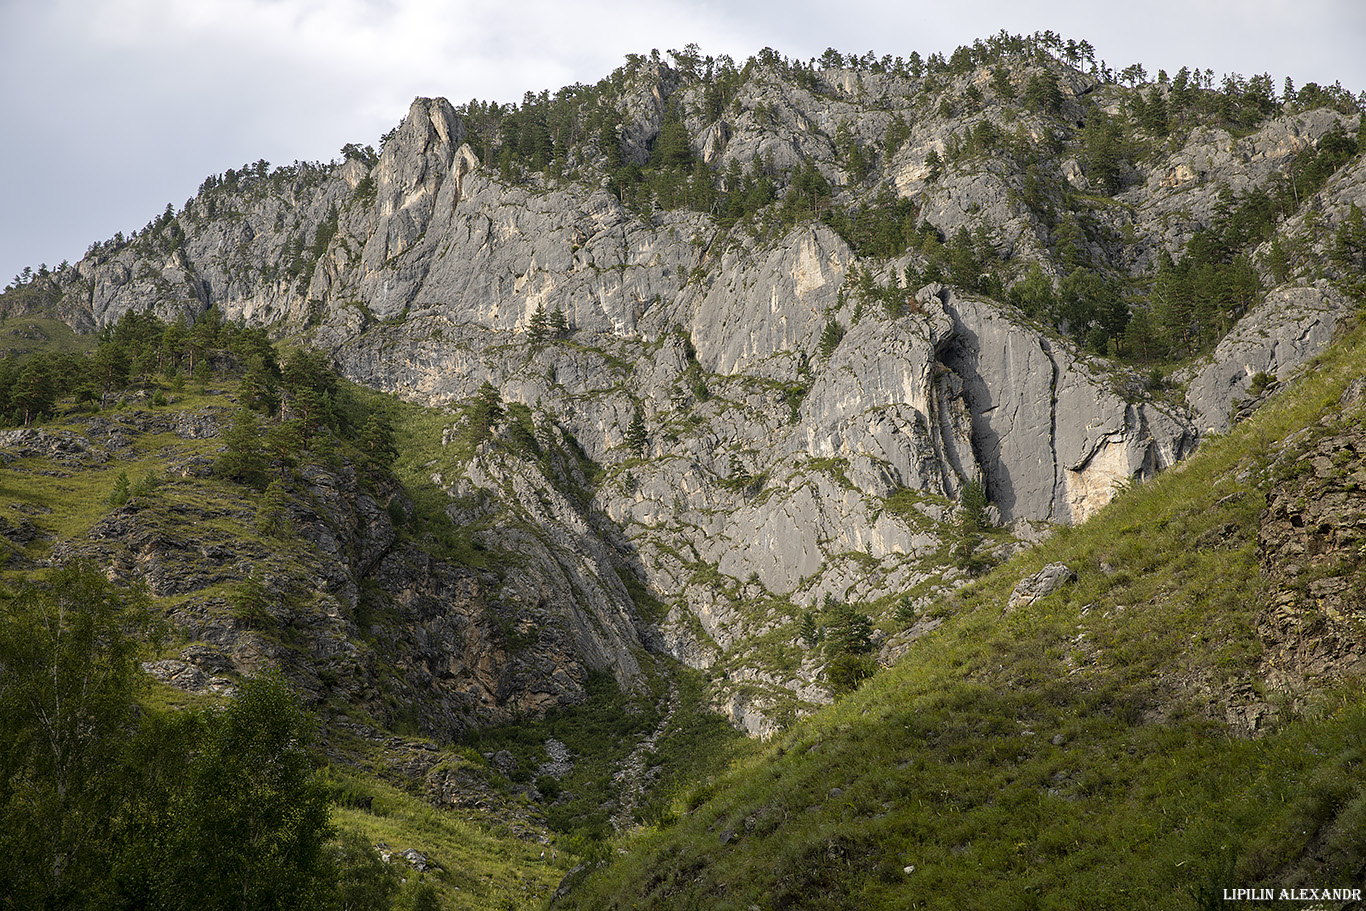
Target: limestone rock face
{"x": 1040, "y": 585}
{"x": 1180, "y": 194}
{"x": 776, "y": 470}
{"x": 411, "y": 181}
{"x": 1289, "y": 328}
{"x": 762, "y": 307}
{"x": 1054, "y": 437}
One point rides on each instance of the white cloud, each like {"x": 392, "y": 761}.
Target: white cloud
{"x": 115, "y": 106}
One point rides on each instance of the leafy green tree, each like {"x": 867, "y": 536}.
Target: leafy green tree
{"x": 250, "y": 600}
{"x": 171, "y": 346}
{"x": 364, "y": 882}
{"x": 229, "y": 811}
{"x": 1034, "y": 293}
{"x": 898, "y": 131}
{"x": 1155, "y": 117}
{"x": 963, "y": 260}
{"x": 521, "y": 429}
{"x": 146, "y": 485}
{"x": 69, "y": 651}
{"x": 256, "y": 807}
{"x": 1138, "y": 335}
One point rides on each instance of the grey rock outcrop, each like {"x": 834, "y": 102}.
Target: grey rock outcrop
{"x": 1054, "y": 436}
{"x": 775, "y": 469}
{"x": 1289, "y": 328}
{"x": 1040, "y": 585}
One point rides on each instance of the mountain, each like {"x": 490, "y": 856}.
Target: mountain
{"x": 744, "y": 369}
{"x": 1177, "y": 717}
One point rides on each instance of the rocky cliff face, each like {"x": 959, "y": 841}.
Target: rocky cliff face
{"x": 1309, "y": 548}
{"x": 333, "y": 598}
{"x": 780, "y": 463}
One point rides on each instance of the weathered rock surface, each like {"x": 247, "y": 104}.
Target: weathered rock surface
{"x": 1040, "y": 585}
{"x": 775, "y": 469}
{"x": 1310, "y": 549}
{"x": 1054, "y": 436}
{"x": 336, "y": 601}
{"x": 1288, "y": 329}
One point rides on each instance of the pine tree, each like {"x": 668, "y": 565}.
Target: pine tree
{"x": 273, "y": 517}
{"x": 241, "y": 459}
{"x": 119, "y": 495}
{"x": 377, "y": 442}
{"x": 830, "y": 337}
{"x": 538, "y": 326}
{"x": 34, "y": 392}
{"x": 556, "y": 323}
{"x": 637, "y": 439}
{"x": 486, "y": 411}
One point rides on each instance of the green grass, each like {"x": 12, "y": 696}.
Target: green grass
{"x": 475, "y": 865}
{"x": 21, "y": 336}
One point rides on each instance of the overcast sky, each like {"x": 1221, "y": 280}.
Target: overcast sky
{"x": 109, "y": 109}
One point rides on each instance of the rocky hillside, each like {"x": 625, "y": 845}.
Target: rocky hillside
{"x": 787, "y": 315}
{"x": 1156, "y": 708}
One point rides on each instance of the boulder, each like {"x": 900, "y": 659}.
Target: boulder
{"x": 1040, "y": 585}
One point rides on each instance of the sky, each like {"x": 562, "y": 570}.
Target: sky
{"x": 110, "y": 109}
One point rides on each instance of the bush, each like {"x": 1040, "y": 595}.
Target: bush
{"x": 846, "y": 671}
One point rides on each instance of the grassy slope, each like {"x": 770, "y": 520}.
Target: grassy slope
{"x": 21, "y": 336}
{"x": 1067, "y": 755}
